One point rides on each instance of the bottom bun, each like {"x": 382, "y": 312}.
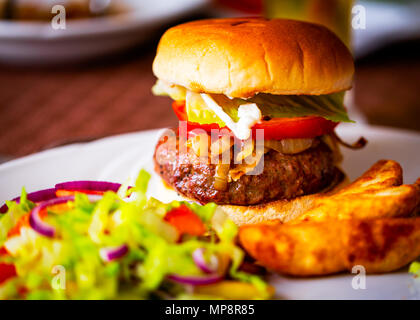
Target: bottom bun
{"x": 281, "y": 210}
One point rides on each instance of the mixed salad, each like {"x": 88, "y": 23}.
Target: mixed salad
{"x": 100, "y": 240}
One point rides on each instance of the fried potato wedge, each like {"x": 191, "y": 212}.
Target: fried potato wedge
{"x": 401, "y": 201}
{"x": 326, "y": 247}
{"x": 364, "y": 223}
{"x": 383, "y": 174}
{"x": 378, "y": 193}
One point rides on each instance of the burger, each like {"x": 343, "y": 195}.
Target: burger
{"x": 258, "y": 101}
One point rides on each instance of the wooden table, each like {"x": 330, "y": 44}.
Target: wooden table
{"x": 46, "y": 107}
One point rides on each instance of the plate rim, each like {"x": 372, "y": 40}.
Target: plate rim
{"x": 88, "y": 27}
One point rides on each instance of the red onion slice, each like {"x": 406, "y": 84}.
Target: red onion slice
{"x": 88, "y": 185}
{"x": 200, "y": 261}
{"x": 35, "y": 220}
{"x": 196, "y": 280}
{"x": 109, "y": 254}
{"x": 48, "y": 194}
{"x": 44, "y": 228}
{"x": 37, "y": 196}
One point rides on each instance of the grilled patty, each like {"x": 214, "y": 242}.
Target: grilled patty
{"x": 283, "y": 177}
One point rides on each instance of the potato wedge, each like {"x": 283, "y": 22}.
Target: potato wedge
{"x": 401, "y": 201}
{"x": 383, "y": 174}
{"x": 326, "y": 247}
{"x": 378, "y": 193}
{"x": 375, "y": 194}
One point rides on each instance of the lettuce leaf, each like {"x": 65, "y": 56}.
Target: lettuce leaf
{"x": 328, "y": 106}
{"x": 414, "y": 268}
{"x": 274, "y": 106}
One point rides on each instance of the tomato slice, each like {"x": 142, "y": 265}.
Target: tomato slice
{"x": 274, "y": 129}
{"x": 302, "y": 127}
{"x": 22, "y": 222}
{"x": 7, "y": 271}
{"x": 185, "y": 221}
{"x": 180, "y": 110}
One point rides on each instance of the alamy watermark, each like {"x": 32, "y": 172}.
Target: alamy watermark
{"x": 58, "y": 282}
{"x": 359, "y": 17}
{"x": 58, "y": 22}
{"x": 359, "y": 280}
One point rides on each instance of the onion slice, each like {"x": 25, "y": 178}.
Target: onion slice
{"x": 48, "y": 194}
{"x": 200, "y": 261}
{"x": 196, "y": 280}
{"x": 42, "y": 227}
{"x": 88, "y": 185}
{"x": 36, "y": 222}
{"x": 109, "y": 254}
{"x": 37, "y": 196}
{"x": 356, "y": 145}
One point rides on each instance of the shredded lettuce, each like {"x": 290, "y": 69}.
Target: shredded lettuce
{"x": 142, "y": 182}
{"x": 205, "y": 213}
{"x": 414, "y": 268}
{"x": 83, "y": 228}
{"x": 14, "y": 213}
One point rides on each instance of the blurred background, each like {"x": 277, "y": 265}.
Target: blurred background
{"x": 90, "y": 75}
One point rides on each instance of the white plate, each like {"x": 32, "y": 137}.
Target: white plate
{"x": 38, "y": 42}
{"x": 119, "y": 159}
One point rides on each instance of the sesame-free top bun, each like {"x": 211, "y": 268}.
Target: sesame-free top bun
{"x": 240, "y": 57}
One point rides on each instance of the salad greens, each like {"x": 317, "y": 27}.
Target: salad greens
{"x": 69, "y": 266}
{"x": 414, "y": 268}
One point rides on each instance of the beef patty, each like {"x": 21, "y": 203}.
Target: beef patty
{"x": 284, "y": 176}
